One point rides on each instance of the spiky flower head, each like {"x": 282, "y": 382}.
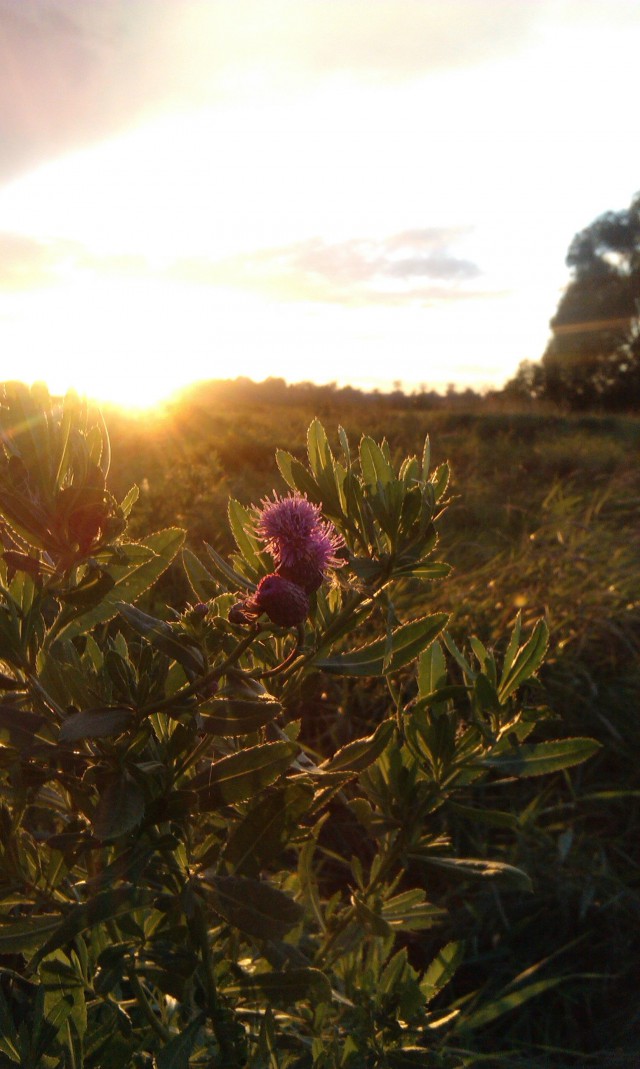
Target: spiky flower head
{"x": 285, "y": 603}
{"x": 302, "y": 543}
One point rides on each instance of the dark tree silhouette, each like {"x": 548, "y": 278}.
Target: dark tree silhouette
{"x": 593, "y": 357}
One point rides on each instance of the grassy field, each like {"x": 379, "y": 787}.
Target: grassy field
{"x": 544, "y": 519}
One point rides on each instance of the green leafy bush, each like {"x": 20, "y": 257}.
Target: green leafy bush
{"x": 184, "y": 882}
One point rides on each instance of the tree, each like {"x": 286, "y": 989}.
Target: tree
{"x": 593, "y": 357}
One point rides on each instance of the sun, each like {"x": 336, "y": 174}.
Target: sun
{"x": 123, "y": 341}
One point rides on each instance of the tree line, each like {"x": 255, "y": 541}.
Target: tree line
{"x": 592, "y": 360}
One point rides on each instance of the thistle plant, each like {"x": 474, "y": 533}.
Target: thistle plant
{"x": 174, "y": 891}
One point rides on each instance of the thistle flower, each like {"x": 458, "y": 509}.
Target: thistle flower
{"x": 303, "y": 544}
{"x": 285, "y": 603}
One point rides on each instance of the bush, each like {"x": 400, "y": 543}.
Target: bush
{"x": 184, "y": 880}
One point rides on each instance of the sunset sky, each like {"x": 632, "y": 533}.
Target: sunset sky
{"x": 360, "y": 191}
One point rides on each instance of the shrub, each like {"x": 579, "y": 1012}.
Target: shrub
{"x": 177, "y": 886}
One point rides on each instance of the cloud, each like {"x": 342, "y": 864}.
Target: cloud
{"x": 355, "y": 272}
{"x": 411, "y": 267}
{"x": 27, "y": 263}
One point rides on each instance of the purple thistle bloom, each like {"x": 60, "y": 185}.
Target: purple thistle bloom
{"x": 303, "y": 544}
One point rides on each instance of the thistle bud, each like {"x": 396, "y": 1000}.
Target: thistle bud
{"x": 284, "y": 602}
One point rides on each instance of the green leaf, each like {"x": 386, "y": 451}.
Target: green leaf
{"x": 131, "y": 582}
{"x": 526, "y": 662}
{"x": 202, "y": 582}
{"x": 242, "y": 775}
{"x": 424, "y": 570}
{"x": 407, "y": 642}
{"x": 441, "y": 970}
{"x": 297, "y": 477}
{"x": 499, "y": 1006}
{"x": 129, "y": 500}
{"x": 120, "y": 809}
{"x": 175, "y": 1054}
{"x": 23, "y": 934}
{"x": 410, "y": 912}
{"x": 432, "y": 670}
{"x": 253, "y": 906}
{"x": 512, "y": 648}
{"x": 238, "y": 716}
{"x": 106, "y": 905}
{"x": 242, "y": 523}
{"x": 62, "y": 975}
{"x": 370, "y": 919}
{"x": 440, "y": 480}
{"x": 229, "y": 575}
{"x": 323, "y": 466}
{"x": 8, "y": 1031}
{"x": 96, "y": 724}
{"x": 161, "y": 635}
{"x": 539, "y": 758}
{"x": 426, "y": 459}
{"x": 283, "y": 988}
{"x": 93, "y": 588}
{"x": 265, "y": 831}
{"x": 318, "y": 449}
{"x": 358, "y": 755}
{"x": 19, "y": 728}
{"x": 481, "y": 868}
{"x": 374, "y": 465}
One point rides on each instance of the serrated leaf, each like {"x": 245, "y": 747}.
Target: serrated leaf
{"x": 235, "y": 580}
{"x": 440, "y": 480}
{"x": 407, "y": 642}
{"x": 96, "y": 724}
{"x": 19, "y": 727}
{"x": 242, "y": 524}
{"x": 540, "y": 758}
{"x": 18, "y": 936}
{"x": 427, "y": 571}
{"x": 229, "y": 717}
{"x": 129, "y": 500}
{"x": 175, "y": 1054}
{"x": 162, "y": 636}
{"x": 371, "y": 921}
{"x": 442, "y": 969}
{"x": 504, "y": 1003}
{"x": 426, "y": 459}
{"x": 106, "y": 905}
{"x": 432, "y": 669}
{"x": 323, "y": 466}
{"x": 374, "y": 466}
{"x": 253, "y": 906}
{"x": 120, "y": 809}
{"x": 526, "y": 662}
{"x": 242, "y": 775}
{"x": 358, "y": 755}
{"x": 265, "y": 831}
{"x": 297, "y": 477}
{"x": 482, "y": 868}
{"x": 283, "y": 988}
{"x": 202, "y": 582}
{"x": 411, "y": 912}
{"x": 131, "y": 582}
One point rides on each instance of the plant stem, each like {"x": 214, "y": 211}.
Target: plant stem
{"x": 147, "y": 1009}
{"x": 198, "y": 684}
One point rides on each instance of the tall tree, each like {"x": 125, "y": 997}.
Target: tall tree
{"x": 593, "y": 357}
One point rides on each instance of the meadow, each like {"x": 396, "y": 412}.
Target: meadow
{"x": 318, "y": 804}
{"x": 544, "y": 520}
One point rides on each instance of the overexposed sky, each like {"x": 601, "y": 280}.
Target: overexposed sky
{"x": 363, "y": 191}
